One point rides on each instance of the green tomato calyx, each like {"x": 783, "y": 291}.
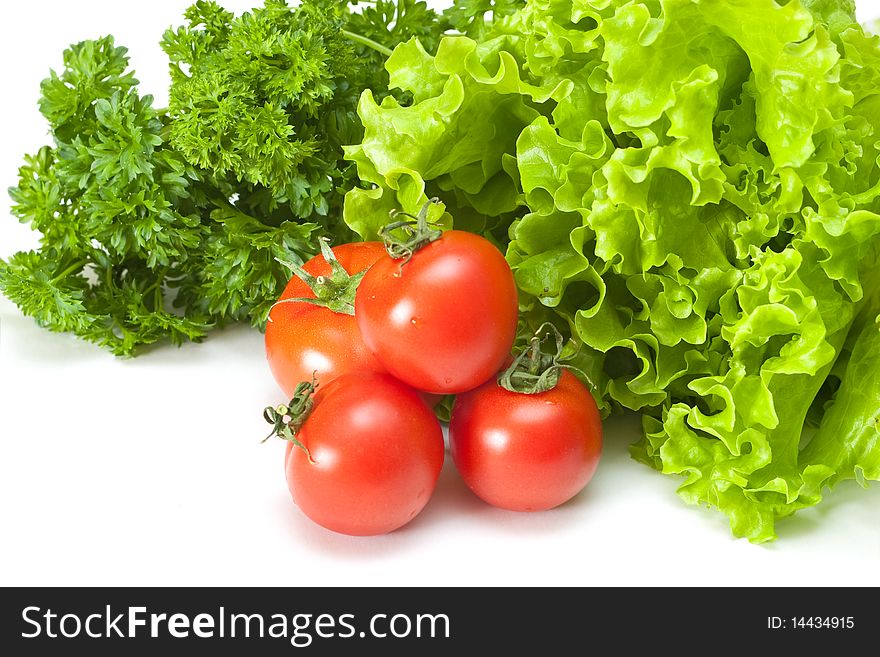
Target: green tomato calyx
{"x": 534, "y": 371}
{"x": 403, "y": 238}
{"x": 335, "y": 292}
{"x": 286, "y": 419}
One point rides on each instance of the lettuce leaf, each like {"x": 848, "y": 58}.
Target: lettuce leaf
{"x": 690, "y": 189}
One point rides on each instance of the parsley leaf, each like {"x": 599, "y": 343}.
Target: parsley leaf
{"x": 161, "y": 224}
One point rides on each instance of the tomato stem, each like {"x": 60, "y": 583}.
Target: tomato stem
{"x": 533, "y": 371}
{"x": 286, "y": 419}
{"x": 335, "y": 292}
{"x": 412, "y": 233}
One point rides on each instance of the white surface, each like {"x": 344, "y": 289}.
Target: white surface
{"x": 150, "y": 471}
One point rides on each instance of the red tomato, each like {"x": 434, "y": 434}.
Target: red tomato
{"x": 526, "y": 452}
{"x": 445, "y": 321}
{"x": 374, "y": 454}
{"x": 302, "y": 338}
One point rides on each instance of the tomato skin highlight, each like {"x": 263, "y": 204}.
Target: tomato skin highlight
{"x": 445, "y": 321}
{"x": 376, "y": 453}
{"x": 526, "y": 452}
{"x": 302, "y": 338}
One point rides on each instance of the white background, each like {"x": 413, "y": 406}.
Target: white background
{"x": 150, "y": 472}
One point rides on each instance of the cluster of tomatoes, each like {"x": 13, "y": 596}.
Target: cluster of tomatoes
{"x": 367, "y": 337}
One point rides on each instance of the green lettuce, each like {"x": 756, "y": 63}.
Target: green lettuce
{"x": 691, "y": 190}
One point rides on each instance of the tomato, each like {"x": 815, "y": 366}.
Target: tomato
{"x": 526, "y": 452}
{"x": 373, "y": 453}
{"x": 303, "y": 338}
{"x": 443, "y": 321}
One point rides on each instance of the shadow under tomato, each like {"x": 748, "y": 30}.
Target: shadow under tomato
{"x": 455, "y": 510}
{"x": 312, "y": 536}
{"x": 454, "y": 505}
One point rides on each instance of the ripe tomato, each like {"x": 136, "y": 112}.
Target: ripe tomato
{"x": 445, "y": 320}
{"x": 374, "y": 452}
{"x": 526, "y": 452}
{"x": 302, "y": 338}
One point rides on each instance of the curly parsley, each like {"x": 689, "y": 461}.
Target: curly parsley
{"x": 160, "y": 224}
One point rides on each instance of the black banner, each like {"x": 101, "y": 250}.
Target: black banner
{"x": 406, "y": 621}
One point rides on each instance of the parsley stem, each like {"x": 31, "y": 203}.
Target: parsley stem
{"x": 79, "y": 264}
{"x": 378, "y": 47}
{"x": 156, "y": 290}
